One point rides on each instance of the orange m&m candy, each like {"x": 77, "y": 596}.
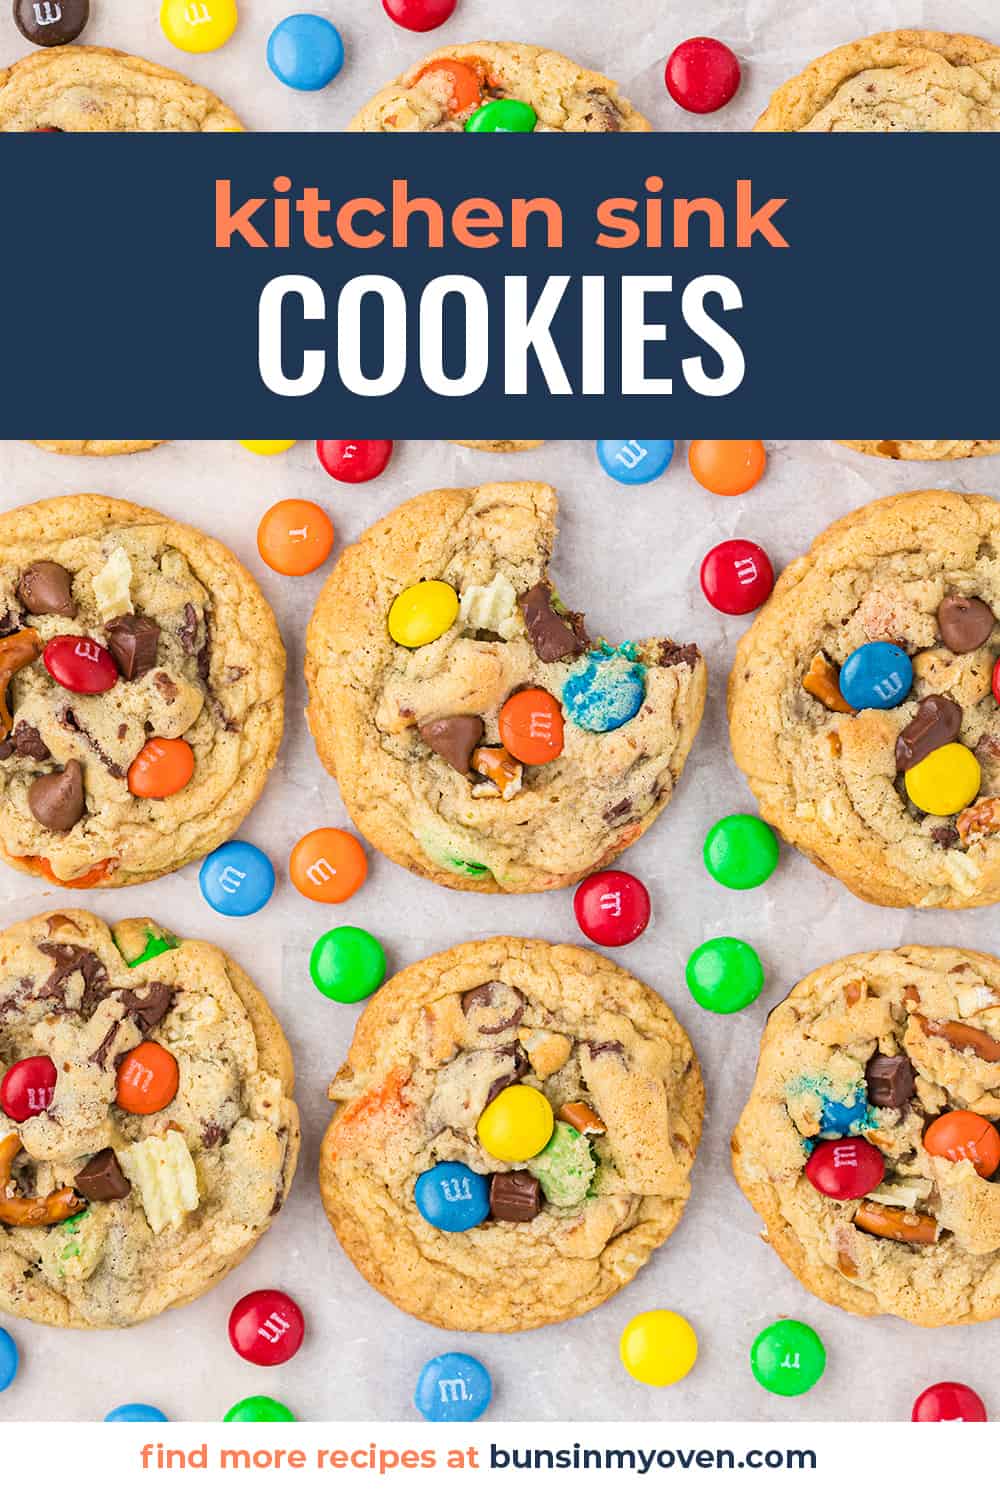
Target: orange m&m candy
{"x": 295, "y": 537}
{"x": 962, "y": 1135}
{"x": 466, "y": 89}
{"x": 147, "y": 1079}
{"x": 729, "y": 467}
{"x": 531, "y": 727}
{"x": 161, "y": 768}
{"x": 328, "y": 865}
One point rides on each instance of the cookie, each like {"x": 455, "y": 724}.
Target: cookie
{"x": 159, "y": 1137}
{"x": 95, "y": 88}
{"x": 145, "y": 681}
{"x": 892, "y": 1055}
{"x": 902, "y": 802}
{"x": 485, "y": 753}
{"x": 916, "y": 451}
{"x": 896, "y": 80}
{"x": 445, "y": 88}
{"x": 498, "y": 445}
{"x": 95, "y": 449}
{"x": 497, "y": 1023}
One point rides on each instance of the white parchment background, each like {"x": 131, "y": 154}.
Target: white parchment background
{"x": 631, "y": 556}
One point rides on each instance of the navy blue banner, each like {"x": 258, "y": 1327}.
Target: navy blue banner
{"x": 405, "y": 286}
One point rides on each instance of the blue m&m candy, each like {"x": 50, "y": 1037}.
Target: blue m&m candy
{"x": 237, "y": 879}
{"x": 453, "y": 1388}
{"x": 605, "y": 691}
{"x": 135, "y": 1411}
{"x": 877, "y": 675}
{"x": 635, "y": 460}
{"x": 305, "y": 52}
{"x": 9, "y": 1359}
{"x": 841, "y": 1117}
{"x": 452, "y": 1197}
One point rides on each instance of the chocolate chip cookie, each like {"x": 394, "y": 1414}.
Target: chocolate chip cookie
{"x": 147, "y": 1131}
{"x": 141, "y": 692}
{"x": 444, "y": 89}
{"x": 479, "y": 736}
{"x": 94, "y": 88}
{"x": 916, "y": 451}
{"x": 901, "y": 802}
{"x": 866, "y": 1145}
{"x": 612, "y": 1088}
{"x": 95, "y": 449}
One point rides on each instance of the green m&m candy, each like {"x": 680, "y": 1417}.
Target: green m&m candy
{"x": 787, "y": 1358}
{"x": 258, "y": 1409}
{"x": 724, "y": 975}
{"x": 507, "y": 115}
{"x": 740, "y": 852}
{"x": 347, "y": 964}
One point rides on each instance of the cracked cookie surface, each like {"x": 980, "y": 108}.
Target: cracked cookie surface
{"x": 829, "y": 779}
{"x": 564, "y": 95}
{"x": 387, "y": 719}
{"x": 109, "y": 1214}
{"x": 446, "y": 1036}
{"x": 879, "y": 1046}
{"x": 915, "y": 451}
{"x": 98, "y": 89}
{"x": 86, "y": 448}
{"x": 199, "y": 666}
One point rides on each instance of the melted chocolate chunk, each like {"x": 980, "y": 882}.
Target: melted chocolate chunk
{"x": 620, "y": 810}
{"x": 491, "y": 997}
{"x": 46, "y": 588}
{"x": 965, "y": 624}
{"x": 454, "y": 738}
{"x": 69, "y": 720}
{"x": 69, "y": 959}
{"x": 672, "y": 655}
{"x": 946, "y": 835}
{"x": 212, "y": 1134}
{"x": 518, "y": 1068}
{"x": 515, "y": 1197}
{"x": 133, "y": 641}
{"x": 28, "y": 742}
{"x": 102, "y": 1179}
{"x": 598, "y": 1049}
{"x": 936, "y": 722}
{"x": 147, "y": 1010}
{"x": 554, "y": 636}
{"x": 57, "y": 800}
{"x": 188, "y": 632}
{"x": 890, "y": 1080}
{"x": 100, "y": 1055}
{"x": 10, "y": 621}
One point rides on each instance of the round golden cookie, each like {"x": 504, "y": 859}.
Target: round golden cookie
{"x": 915, "y": 451}
{"x": 498, "y": 445}
{"x": 890, "y": 1041}
{"x": 95, "y": 449}
{"x": 412, "y": 735}
{"x": 208, "y": 669}
{"x": 96, "y": 88}
{"x": 112, "y": 1216}
{"x": 448, "y": 1035}
{"x": 828, "y": 778}
{"x": 895, "y": 80}
{"x": 563, "y": 95}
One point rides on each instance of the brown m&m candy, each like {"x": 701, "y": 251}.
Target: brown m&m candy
{"x": 554, "y": 636}
{"x": 133, "y": 642}
{"x": 965, "y": 624}
{"x": 46, "y": 588}
{"x": 454, "y": 738}
{"x": 890, "y": 1081}
{"x": 936, "y": 722}
{"x": 102, "y": 1179}
{"x": 515, "y": 1197}
{"x": 57, "y": 800}
{"x": 51, "y": 23}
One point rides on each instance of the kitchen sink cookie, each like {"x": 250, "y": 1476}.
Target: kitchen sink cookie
{"x": 896, "y": 80}
{"x": 860, "y": 701}
{"x": 147, "y": 1131}
{"x": 95, "y": 449}
{"x": 498, "y": 445}
{"x": 479, "y": 736}
{"x": 95, "y": 88}
{"x": 515, "y": 1129}
{"x": 141, "y": 691}
{"x": 916, "y": 452}
{"x": 448, "y": 87}
{"x": 867, "y": 1146}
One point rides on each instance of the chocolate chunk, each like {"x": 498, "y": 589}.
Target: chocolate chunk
{"x": 188, "y": 632}
{"x": 515, "y": 1197}
{"x": 101, "y": 1053}
{"x": 553, "y": 636}
{"x": 10, "y": 621}
{"x": 57, "y": 800}
{"x": 608, "y": 113}
{"x": 27, "y": 741}
{"x": 596, "y": 1049}
{"x": 69, "y": 720}
{"x": 47, "y": 589}
{"x": 454, "y": 738}
{"x": 149, "y": 1009}
{"x": 133, "y": 641}
{"x": 946, "y": 835}
{"x": 965, "y": 624}
{"x": 212, "y": 1134}
{"x": 102, "y": 1179}
{"x": 491, "y": 997}
{"x": 935, "y": 723}
{"x": 51, "y": 23}
{"x": 672, "y": 655}
{"x": 620, "y": 810}
{"x": 69, "y": 959}
{"x": 890, "y": 1081}
{"x": 518, "y": 1067}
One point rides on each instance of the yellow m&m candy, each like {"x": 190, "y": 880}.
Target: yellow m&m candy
{"x": 423, "y": 612}
{"x": 267, "y": 449}
{"x": 198, "y": 25}
{"x": 945, "y": 781}
{"x": 517, "y": 1125}
{"x": 659, "y": 1347}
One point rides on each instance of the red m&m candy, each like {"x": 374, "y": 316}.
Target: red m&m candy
{"x": 612, "y": 908}
{"x": 845, "y": 1169}
{"x": 353, "y": 462}
{"x": 419, "y": 15}
{"x": 948, "y": 1401}
{"x": 736, "y": 576}
{"x": 266, "y": 1327}
{"x": 80, "y": 664}
{"x": 996, "y": 679}
{"x": 28, "y": 1087}
{"x": 702, "y": 74}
